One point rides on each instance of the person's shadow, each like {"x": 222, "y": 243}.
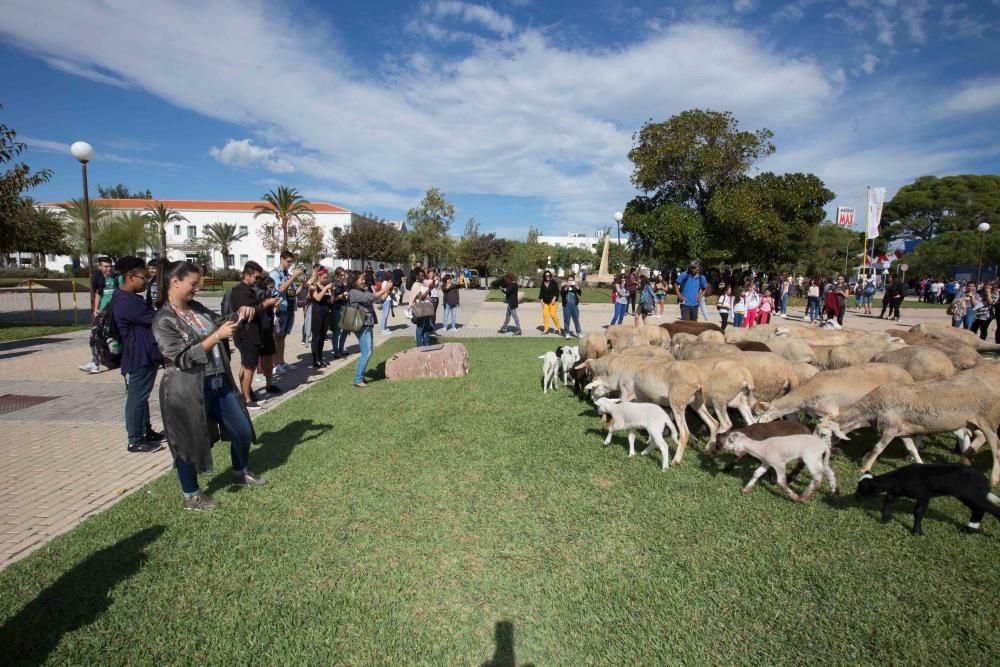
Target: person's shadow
{"x": 504, "y": 655}
{"x": 74, "y": 600}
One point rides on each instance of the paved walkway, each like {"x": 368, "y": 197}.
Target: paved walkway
{"x": 63, "y": 458}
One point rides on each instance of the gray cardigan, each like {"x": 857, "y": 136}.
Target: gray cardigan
{"x": 190, "y": 433}
{"x": 365, "y": 299}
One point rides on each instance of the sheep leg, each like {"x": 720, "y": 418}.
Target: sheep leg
{"x": 721, "y": 411}
{"x": 991, "y": 437}
{"x": 816, "y": 472}
{"x": 912, "y": 448}
{"x": 757, "y": 474}
{"x": 611, "y": 431}
{"x": 869, "y": 460}
{"x": 678, "y": 412}
{"x": 918, "y": 515}
{"x": 887, "y": 508}
{"x": 702, "y": 410}
{"x": 795, "y": 471}
{"x": 743, "y": 406}
{"x": 657, "y": 442}
{"x": 669, "y": 425}
{"x": 732, "y": 464}
{"x": 783, "y": 483}
{"x": 631, "y": 443}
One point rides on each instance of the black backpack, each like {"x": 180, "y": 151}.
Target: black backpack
{"x": 105, "y": 338}
{"x": 227, "y": 308}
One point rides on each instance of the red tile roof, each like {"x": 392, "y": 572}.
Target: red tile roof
{"x": 199, "y": 205}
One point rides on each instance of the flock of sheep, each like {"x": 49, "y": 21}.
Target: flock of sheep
{"x": 930, "y": 380}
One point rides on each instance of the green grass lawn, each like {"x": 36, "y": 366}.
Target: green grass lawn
{"x": 12, "y": 331}
{"x": 417, "y": 522}
{"x": 590, "y": 295}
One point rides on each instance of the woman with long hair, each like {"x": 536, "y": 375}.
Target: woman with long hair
{"x": 510, "y": 297}
{"x": 198, "y": 397}
{"x": 320, "y": 300}
{"x": 619, "y": 295}
{"x": 362, "y": 295}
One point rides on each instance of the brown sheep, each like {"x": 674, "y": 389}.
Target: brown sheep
{"x": 751, "y": 346}
{"x": 922, "y": 363}
{"x": 593, "y": 346}
{"x": 687, "y": 326}
{"x": 962, "y": 356}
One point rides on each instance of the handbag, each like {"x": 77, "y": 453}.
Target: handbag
{"x": 421, "y": 309}
{"x": 352, "y": 318}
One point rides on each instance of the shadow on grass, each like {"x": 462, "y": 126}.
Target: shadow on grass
{"x": 28, "y": 342}
{"x": 75, "y": 600}
{"x": 503, "y": 655}
{"x": 274, "y": 450}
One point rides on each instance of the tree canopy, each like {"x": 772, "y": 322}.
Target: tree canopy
{"x": 699, "y": 200}
{"x": 936, "y": 257}
{"x": 287, "y": 207}
{"x": 483, "y": 252}
{"x": 121, "y": 191}
{"x": 428, "y": 225}
{"x": 930, "y": 206}
{"x": 370, "y": 238}
{"x": 14, "y": 182}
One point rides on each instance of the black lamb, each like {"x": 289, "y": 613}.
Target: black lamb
{"x": 923, "y": 481}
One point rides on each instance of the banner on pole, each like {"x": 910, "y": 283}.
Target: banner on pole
{"x": 845, "y": 216}
{"x": 876, "y": 198}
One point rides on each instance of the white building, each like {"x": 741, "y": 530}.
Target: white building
{"x": 181, "y": 236}
{"x": 574, "y": 240}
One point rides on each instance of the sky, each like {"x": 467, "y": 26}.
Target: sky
{"x": 522, "y": 112}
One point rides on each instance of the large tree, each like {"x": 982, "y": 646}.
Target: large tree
{"x": 223, "y": 236}
{"x": 124, "y": 233}
{"x": 699, "y": 200}
{"x": 121, "y": 191}
{"x": 930, "y": 206}
{"x": 160, "y": 216}
{"x": 73, "y": 220}
{"x": 429, "y": 223}
{"x": 287, "y": 207}
{"x": 936, "y": 257}
{"x": 13, "y": 183}
{"x": 39, "y": 231}
{"x": 483, "y": 252}
{"x": 370, "y": 238}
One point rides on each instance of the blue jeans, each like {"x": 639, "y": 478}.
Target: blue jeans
{"x": 451, "y": 312}
{"x": 571, "y": 311}
{"x": 224, "y": 407}
{"x": 338, "y": 335}
{"x": 422, "y": 328}
{"x": 738, "y": 319}
{"x": 965, "y": 322}
{"x": 365, "y": 346}
{"x": 511, "y": 312}
{"x": 138, "y": 386}
{"x": 812, "y": 308}
{"x": 689, "y": 313}
{"x": 783, "y": 304}
{"x": 386, "y": 306}
{"x": 701, "y": 306}
{"x": 620, "y": 311}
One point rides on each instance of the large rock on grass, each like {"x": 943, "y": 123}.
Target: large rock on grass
{"x": 432, "y": 361}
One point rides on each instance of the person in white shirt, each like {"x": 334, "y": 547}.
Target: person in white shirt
{"x": 725, "y": 304}
{"x": 752, "y": 299}
{"x": 739, "y": 309}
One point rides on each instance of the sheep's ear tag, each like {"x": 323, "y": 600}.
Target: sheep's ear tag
{"x": 867, "y": 475}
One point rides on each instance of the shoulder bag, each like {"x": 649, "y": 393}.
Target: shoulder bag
{"x": 421, "y": 309}
{"x": 352, "y": 318}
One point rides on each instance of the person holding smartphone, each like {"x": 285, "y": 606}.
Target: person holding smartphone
{"x": 320, "y": 297}
{"x": 250, "y": 336}
{"x": 198, "y": 397}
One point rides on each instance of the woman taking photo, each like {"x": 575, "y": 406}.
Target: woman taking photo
{"x": 619, "y": 295}
{"x": 320, "y": 299}
{"x": 197, "y": 393}
{"x": 362, "y": 297}
{"x": 423, "y": 324}
{"x": 338, "y": 301}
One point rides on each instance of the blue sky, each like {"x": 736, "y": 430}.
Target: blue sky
{"x": 521, "y": 112}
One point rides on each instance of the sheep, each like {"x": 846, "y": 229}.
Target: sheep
{"x": 687, "y": 326}
{"x": 925, "y": 481}
{"x": 609, "y": 369}
{"x": 632, "y": 417}
{"x": 655, "y": 336}
{"x": 758, "y": 333}
{"x": 922, "y": 363}
{"x": 775, "y": 453}
{"x": 772, "y": 375}
{"x": 679, "y": 340}
{"x": 677, "y": 385}
{"x": 697, "y": 350}
{"x": 829, "y": 392}
{"x": 648, "y": 352}
{"x": 944, "y": 332}
{"x": 804, "y": 370}
{"x": 962, "y": 356}
{"x": 760, "y": 431}
{"x": 792, "y": 349}
{"x": 550, "y": 371}
{"x": 711, "y": 336}
{"x": 726, "y": 384}
{"x": 568, "y": 356}
{"x": 925, "y": 408}
{"x": 873, "y": 343}
{"x": 751, "y": 346}
{"x": 593, "y": 346}
{"x": 835, "y": 356}
{"x": 617, "y": 333}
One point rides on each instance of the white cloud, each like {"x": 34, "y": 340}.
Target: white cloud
{"x": 244, "y": 153}
{"x": 45, "y": 144}
{"x": 744, "y": 6}
{"x": 869, "y": 62}
{"x": 470, "y": 13}
{"x": 975, "y": 96}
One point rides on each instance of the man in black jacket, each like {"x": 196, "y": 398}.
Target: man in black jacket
{"x": 894, "y": 293}
{"x": 249, "y": 337}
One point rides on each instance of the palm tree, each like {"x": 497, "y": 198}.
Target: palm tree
{"x": 125, "y": 233}
{"x": 284, "y": 204}
{"x": 72, "y": 215}
{"x": 222, "y": 235}
{"x": 161, "y": 216}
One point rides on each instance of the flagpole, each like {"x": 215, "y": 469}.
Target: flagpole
{"x": 864, "y": 261}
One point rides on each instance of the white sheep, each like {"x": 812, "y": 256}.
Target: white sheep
{"x": 778, "y": 452}
{"x": 550, "y": 371}
{"x": 631, "y": 417}
{"x": 569, "y": 355}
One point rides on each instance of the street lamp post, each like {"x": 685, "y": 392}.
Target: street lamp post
{"x": 618, "y": 224}
{"x": 847, "y": 251}
{"x": 982, "y": 227}
{"x": 84, "y": 152}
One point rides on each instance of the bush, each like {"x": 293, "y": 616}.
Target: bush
{"x": 31, "y": 272}
{"x": 231, "y": 275}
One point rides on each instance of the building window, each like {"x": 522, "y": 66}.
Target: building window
{"x": 244, "y": 259}
{"x": 192, "y": 231}
{"x": 269, "y": 262}
{"x": 244, "y": 230}
{"x": 231, "y": 259}
{"x": 52, "y": 258}
{"x": 177, "y": 230}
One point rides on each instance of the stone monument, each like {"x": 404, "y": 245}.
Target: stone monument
{"x": 602, "y": 275}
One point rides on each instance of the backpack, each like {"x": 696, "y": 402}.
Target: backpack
{"x": 105, "y": 339}
{"x": 227, "y": 306}
{"x": 869, "y": 290}
{"x": 957, "y": 309}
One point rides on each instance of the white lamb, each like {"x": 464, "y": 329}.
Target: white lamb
{"x": 569, "y": 355}
{"x": 632, "y": 417}
{"x": 550, "y": 371}
{"x": 778, "y": 452}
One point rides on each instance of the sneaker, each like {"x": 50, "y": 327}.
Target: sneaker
{"x": 568, "y": 336}
{"x": 259, "y": 379}
{"x": 154, "y": 436}
{"x": 384, "y": 332}
{"x": 248, "y": 479}
{"x": 500, "y": 331}
{"x": 199, "y": 501}
{"x": 253, "y": 405}
{"x": 517, "y": 333}
{"x": 144, "y": 447}
{"x": 272, "y": 389}
{"x": 91, "y": 368}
